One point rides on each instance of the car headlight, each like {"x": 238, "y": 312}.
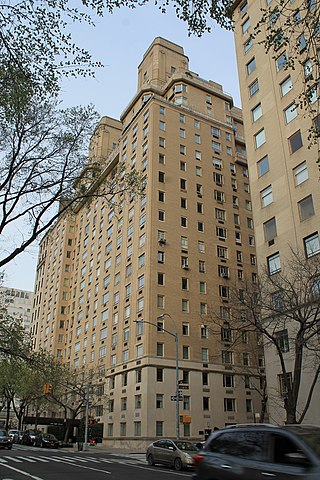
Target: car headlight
{"x": 187, "y": 458}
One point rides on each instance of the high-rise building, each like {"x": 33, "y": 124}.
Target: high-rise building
{"x": 18, "y": 304}
{"x": 127, "y": 289}
{"x": 284, "y": 174}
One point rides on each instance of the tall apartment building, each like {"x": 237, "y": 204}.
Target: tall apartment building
{"x": 18, "y": 304}
{"x": 117, "y": 285}
{"x": 284, "y": 175}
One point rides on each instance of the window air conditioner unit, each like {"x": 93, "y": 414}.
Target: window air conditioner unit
{"x": 162, "y": 240}
{"x": 185, "y": 267}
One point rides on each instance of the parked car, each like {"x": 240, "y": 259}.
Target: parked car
{"x": 249, "y": 452}
{"x": 175, "y": 453}
{"x": 5, "y": 440}
{"x": 28, "y": 437}
{"x": 14, "y": 434}
{"x": 46, "y": 440}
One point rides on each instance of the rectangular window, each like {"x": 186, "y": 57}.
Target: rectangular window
{"x": 295, "y": 141}
{"x": 266, "y": 196}
{"x": 260, "y": 138}
{"x": 282, "y": 62}
{"x": 270, "y": 229}
{"x": 274, "y": 265}
{"x": 254, "y": 87}
{"x": 256, "y": 112}
{"x": 247, "y": 45}
{"x": 306, "y": 208}
{"x": 251, "y": 66}
{"x": 286, "y": 86}
{"x": 282, "y": 340}
{"x": 312, "y": 245}
{"x": 246, "y": 25}
{"x": 300, "y": 173}
{"x": 290, "y": 113}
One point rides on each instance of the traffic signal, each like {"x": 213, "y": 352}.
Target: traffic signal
{"x": 47, "y": 388}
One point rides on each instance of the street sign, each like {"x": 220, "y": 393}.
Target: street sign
{"x": 174, "y": 398}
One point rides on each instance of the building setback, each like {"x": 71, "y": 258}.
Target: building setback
{"x": 116, "y": 283}
{"x": 284, "y": 175}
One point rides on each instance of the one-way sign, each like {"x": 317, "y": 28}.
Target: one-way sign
{"x": 174, "y": 398}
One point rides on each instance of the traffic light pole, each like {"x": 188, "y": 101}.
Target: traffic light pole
{"x": 86, "y": 425}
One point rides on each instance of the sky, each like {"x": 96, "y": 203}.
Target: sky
{"x": 119, "y": 41}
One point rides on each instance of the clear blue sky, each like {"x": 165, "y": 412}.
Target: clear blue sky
{"x": 119, "y": 42}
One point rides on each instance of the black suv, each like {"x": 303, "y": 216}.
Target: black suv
{"x": 256, "y": 451}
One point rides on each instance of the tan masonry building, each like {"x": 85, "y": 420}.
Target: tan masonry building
{"x": 118, "y": 289}
{"x": 284, "y": 174}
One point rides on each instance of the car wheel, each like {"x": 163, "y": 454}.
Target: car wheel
{"x": 177, "y": 464}
{"x": 9, "y": 447}
{"x": 150, "y": 459}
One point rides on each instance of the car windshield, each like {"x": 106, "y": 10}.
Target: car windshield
{"x": 186, "y": 446}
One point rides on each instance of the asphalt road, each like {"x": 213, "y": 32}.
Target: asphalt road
{"x": 24, "y": 463}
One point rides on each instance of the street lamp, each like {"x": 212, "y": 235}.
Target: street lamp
{"x": 175, "y": 335}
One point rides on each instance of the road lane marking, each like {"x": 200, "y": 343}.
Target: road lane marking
{"x": 27, "y": 459}
{"x": 73, "y": 459}
{"x": 22, "y": 472}
{"x": 41, "y": 459}
{"x": 14, "y": 459}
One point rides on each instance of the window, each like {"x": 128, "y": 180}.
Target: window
{"x": 290, "y": 113}
{"x": 137, "y": 401}
{"x": 229, "y": 405}
{"x": 182, "y": 133}
{"x": 282, "y": 340}
{"x": 184, "y": 222}
{"x": 162, "y": 142}
{"x": 312, "y": 245}
{"x": 208, "y": 99}
{"x": 263, "y": 166}
{"x": 266, "y": 196}
{"x": 295, "y": 141}
{"x": 202, "y": 287}
{"x": 159, "y": 400}
{"x": 162, "y": 125}
{"x": 185, "y": 352}
{"x": 302, "y": 42}
{"x": 183, "y": 184}
{"x": 282, "y": 61}
{"x": 202, "y": 266}
{"x": 161, "y": 176}
{"x": 160, "y": 301}
{"x": 160, "y": 349}
{"x": 161, "y": 196}
{"x": 286, "y": 86}
{"x": 162, "y": 158}
{"x": 185, "y": 305}
{"x": 183, "y": 166}
{"x": 204, "y": 354}
{"x": 183, "y": 150}
{"x": 260, "y": 138}
{"x": 159, "y": 375}
{"x": 246, "y": 25}
{"x": 182, "y": 118}
{"x": 216, "y": 146}
{"x": 270, "y": 229}
{"x": 274, "y": 265}
{"x": 215, "y": 132}
{"x": 161, "y": 215}
{"x": 254, "y": 87}
{"x": 184, "y": 283}
{"x": 217, "y": 163}
{"x": 307, "y": 67}
{"x": 251, "y": 66}
{"x": 227, "y": 357}
{"x": 300, "y": 173}
{"x": 256, "y": 112}
{"x": 247, "y": 45}
{"x": 285, "y": 383}
{"x": 198, "y": 171}
{"x": 197, "y": 139}
{"x": 306, "y": 208}
{"x": 201, "y": 247}
{"x": 228, "y": 381}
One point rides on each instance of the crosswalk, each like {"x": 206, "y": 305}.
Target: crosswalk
{"x": 68, "y": 459}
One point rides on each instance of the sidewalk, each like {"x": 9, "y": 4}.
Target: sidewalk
{"x": 103, "y": 449}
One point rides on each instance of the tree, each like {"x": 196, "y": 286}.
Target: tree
{"x": 43, "y": 149}
{"x": 284, "y": 308}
